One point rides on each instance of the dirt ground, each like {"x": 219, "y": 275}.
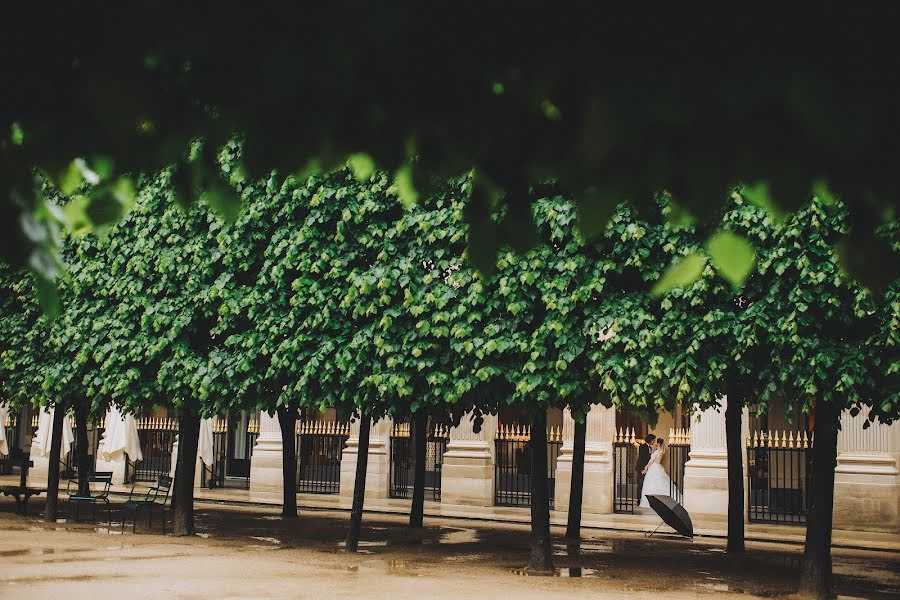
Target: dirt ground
{"x": 244, "y": 552}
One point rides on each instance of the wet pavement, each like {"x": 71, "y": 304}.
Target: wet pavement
{"x": 252, "y": 552}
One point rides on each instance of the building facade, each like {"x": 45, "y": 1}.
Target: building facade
{"x": 491, "y": 467}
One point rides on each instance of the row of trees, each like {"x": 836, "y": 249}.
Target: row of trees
{"x": 328, "y": 292}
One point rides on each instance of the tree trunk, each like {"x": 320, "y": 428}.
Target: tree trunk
{"x": 816, "y": 579}
{"x": 576, "y": 491}
{"x": 183, "y": 501}
{"x": 287, "y": 419}
{"x": 359, "y": 486}
{"x": 420, "y": 431}
{"x": 733, "y": 421}
{"x": 541, "y": 552}
{"x": 82, "y": 458}
{"x": 50, "y": 508}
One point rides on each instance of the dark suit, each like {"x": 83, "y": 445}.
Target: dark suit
{"x": 643, "y": 459}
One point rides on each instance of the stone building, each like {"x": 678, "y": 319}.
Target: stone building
{"x": 491, "y": 467}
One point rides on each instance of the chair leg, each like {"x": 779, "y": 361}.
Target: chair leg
{"x": 134, "y": 521}
{"x": 163, "y": 510}
{"x": 124, "y": 516}
{"x": 109, "y": 514}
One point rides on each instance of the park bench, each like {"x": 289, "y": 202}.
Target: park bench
{"x": 101, "y": 478}
{"x": 156, "y": 497}
{"x": 22, "y": 492}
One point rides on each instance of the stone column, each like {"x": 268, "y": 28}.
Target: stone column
{"x": 706, "y": 471}
{"x": 378, "y": 465}
{"x": 266, "y": 465}
{"x": 597, "y": 496}
{"x": 866, "y": 480}
{"x": 467, "y": 474}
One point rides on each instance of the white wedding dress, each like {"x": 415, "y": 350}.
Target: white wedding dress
{"x": 656, "y": 481}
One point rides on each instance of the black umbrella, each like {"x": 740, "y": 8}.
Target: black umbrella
{"x": 672, "y": 513}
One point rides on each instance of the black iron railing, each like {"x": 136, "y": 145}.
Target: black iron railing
{"x": 778, "y": 477}
{"x": 319, "y": 448}
{"x": 512, "y": 465}
{"x": 678, "y": 450}
{"x": 626, "y": 487}
{"x": 403, "y": 461}
{"x": 156, "y": 435}
{"x": 13, "y": 426}
{"x": 228, "y": 469}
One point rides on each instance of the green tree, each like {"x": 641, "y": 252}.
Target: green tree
{"x": 707, "y": 345}
{"x": 164, "y": 277}
{"x": 827, "y": 352}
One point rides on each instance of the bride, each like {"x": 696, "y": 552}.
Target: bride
{"x": 656, "y": 481}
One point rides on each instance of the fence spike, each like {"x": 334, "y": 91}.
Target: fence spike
{"x": 791, "y": 440}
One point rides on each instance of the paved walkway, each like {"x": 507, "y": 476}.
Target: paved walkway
{"x": 712, "y": 526}
{"x": 251, "y": 552}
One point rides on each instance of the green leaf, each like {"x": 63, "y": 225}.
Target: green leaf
{"x": 759, "y": 195}
{"x": 406, "y": 189}
{"x": 48, "y": 297}
{"x": 224, "y": 200}
{"x": 681, "y": 273}
{"x": 17, "y": 134}
{"x": 732, "y": 255}
{"x": 362, "y": 165}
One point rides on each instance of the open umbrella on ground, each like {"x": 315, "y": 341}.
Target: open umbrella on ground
{"x": 43, "y": 437}
{"x": 4, "y": 447}
{"x": 672, "y": 514}
{"x": 120, "y": 438}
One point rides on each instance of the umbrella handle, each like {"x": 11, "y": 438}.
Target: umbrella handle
{"x": 661, "y": 523}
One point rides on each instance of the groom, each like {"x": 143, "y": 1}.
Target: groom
{"x": 643, "y": 459}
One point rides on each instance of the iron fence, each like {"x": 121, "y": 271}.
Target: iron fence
{"x": 14, "y": 426}
{"x": 228, "y": 470}
{"x": 319, "y": 448}
{"x": 778, "y": 477}
{"x": 512, "y": 464}
{"x": 626, "y": 489}
{"x": 679, "y": 449}
{"x": 156, "y": 435}
{"x": 403, "y": 460}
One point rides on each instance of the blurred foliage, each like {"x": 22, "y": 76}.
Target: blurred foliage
{"x": 614, "y": 107}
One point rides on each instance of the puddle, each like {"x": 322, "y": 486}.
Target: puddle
{"x": 266, "y": 539}
{"x": 362, "y": 544}
{"x": 402, "y": 567}
{"x": 458, "y": 536}
{"x": 108, "y": 531}
{"x": 576, "y": 572}
{"x": 467, "y": 557}
{"x": 714, "y": 587}
{"x": 27, "y": 552}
